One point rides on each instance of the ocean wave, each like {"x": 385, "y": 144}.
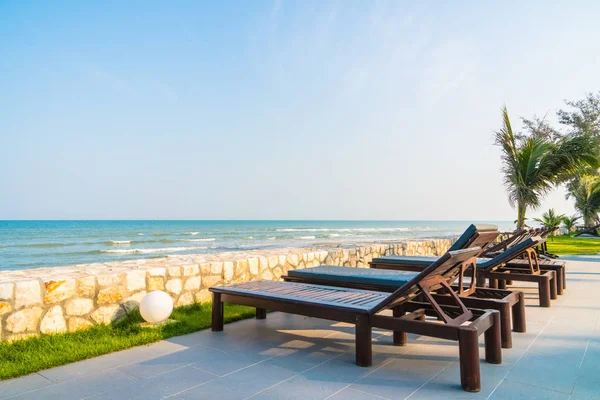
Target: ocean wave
{"x": 129, "y": 242}
{"x": 191, "y": 233}
{"x": 140, "y": 234}
{"x": 271, "y": 238}
{"x": 154, "y": 241}
{"x": 149, "y": 251}
{"x": 44, "y": 244}
{"x": 249, "y": 238}
{"x": 305, "y": 237}
{"x": 199, "y": 240}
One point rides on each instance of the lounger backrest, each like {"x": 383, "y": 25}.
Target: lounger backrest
{"x": 511, "y": 253}
{"x": 444, "y": 266}
{"x": 482, "y": 241}
{"x": 545, "y": 232}
{"x": 506, "y": 243}
{"x": 479, "y": 232}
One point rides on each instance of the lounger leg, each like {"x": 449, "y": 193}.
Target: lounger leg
{"x": 364, "y": 355}
{"x": 505, "y": 326}
{"x": 518, "y": 314}
{"x": 493, "y": 283}
{"x": 217, "y": 313}
{"x": 563, "y": 270}
{"x": 508, "y": 283}
{"x": 399, "y": 336}
{"x": 480, "y": 281}
{"x": 493, "y": 341}
{"x": 261, "y": 313}
{"x": 502, "y": 284}
{"x": 544, "y": 292}
{"x": 559, "y": 282}
{"x": 553, "y": 285}
{"x": 468, "y": 348}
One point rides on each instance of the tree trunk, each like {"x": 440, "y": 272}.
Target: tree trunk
{"x": 521, "y": 209}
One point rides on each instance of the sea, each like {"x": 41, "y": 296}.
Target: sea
{"x": 35, "y": 244}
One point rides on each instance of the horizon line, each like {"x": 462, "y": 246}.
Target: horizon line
{"x": 254, "y": 220}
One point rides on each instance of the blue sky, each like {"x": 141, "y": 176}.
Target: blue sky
{"x": 276, "y": 109}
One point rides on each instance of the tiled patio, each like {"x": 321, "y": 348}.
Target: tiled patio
{"x": 291, "y": 357}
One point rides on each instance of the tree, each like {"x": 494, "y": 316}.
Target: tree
{"x": 534, "y": 164}
{"x": 550, "y": 219}
{"x": 539, "y": 127}
{"x": 586, "y": 192}
{"x": 585, "y": 118}
{"x": 570, "y": 222}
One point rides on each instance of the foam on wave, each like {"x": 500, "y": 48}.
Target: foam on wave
{"x": 149, "y": 251}
{"x": 118, "y": 242}
{"x": 349, "y": 229}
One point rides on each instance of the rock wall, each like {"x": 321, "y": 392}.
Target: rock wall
{"x": 61, "y": 299}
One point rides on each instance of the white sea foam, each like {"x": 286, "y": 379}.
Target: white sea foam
{"x": 200, "y": 240}
{"x": 119, "y": 241}
{"x": 249, "y": 237}
{"x": 140, "y": 234}
{"x": 271, "y": 238}
{"x": 192, "y": 233}
{"x": 305, "y": 237}
{"x": 349, "y": 229}
{"x": 149, "y": 251}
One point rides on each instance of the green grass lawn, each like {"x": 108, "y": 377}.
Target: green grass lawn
{"x": 37, "y": 353}
{"x": 572, "y": 245}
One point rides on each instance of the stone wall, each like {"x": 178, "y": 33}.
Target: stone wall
{"x": 62, "y": 299}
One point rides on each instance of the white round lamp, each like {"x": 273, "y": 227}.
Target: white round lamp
{"x": 156, "y": 307}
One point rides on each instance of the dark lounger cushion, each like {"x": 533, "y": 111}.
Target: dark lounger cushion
{"x": 418, "y": 261}
{"x": 406, "y": 260}
{"x": 379, "y": 277}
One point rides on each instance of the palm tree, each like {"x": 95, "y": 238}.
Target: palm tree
{"x": 550, "y": 219}
{"x": 570, "y": 222}
{"x": 534, "y": 164}
{"x": 586, "y": 192}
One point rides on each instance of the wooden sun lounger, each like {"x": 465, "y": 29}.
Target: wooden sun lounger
{"x": 505, "y": 243}
{"x": 499, "y": 275}
{"x": 542, "y": 249}
{"x": 512, "y": 240}
{"x": 387, "y": 281}
{"x": 535, "y": 259}
{"x": 362, "y": 308}
{"x": 540, "y": 257}
{"x": 531, "y": 262}
{"x": 486, "y": 269}
{"x": 592, "y": 230}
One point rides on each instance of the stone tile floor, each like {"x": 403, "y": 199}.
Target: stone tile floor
{"x": 292, "y": 357}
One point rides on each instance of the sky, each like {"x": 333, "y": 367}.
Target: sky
{"x": 278, "y": 109}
